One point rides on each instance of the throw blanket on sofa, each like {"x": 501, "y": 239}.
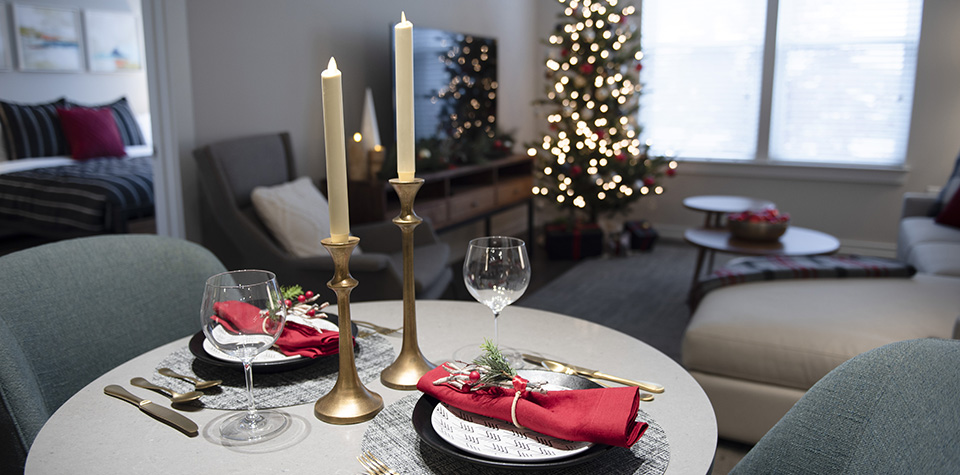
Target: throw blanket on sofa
{"x": 94, "y": 196}
{"x": 753, "y": 269}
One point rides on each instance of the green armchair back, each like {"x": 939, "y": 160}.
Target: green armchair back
{"x": 894, "y": 409}
{"x": 72, "y": 310}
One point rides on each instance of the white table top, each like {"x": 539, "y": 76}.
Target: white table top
{"x": 95, "y": 433}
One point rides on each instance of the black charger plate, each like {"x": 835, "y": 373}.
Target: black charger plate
{"x": 196, "y": 347}
{"x": 423, "y": 411}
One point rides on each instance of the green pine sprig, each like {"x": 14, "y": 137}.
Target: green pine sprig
{"x": 492, "y": 358}
{"x": 291, "y": 291}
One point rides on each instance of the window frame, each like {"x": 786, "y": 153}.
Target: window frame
{"x": 762, "y": 166}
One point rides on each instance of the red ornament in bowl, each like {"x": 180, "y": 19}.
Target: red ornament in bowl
{"x": 764, "y": 225}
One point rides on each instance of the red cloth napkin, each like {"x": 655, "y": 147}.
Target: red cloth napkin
{"x": 296, "y": 339}
{"x": 602, "y": 415}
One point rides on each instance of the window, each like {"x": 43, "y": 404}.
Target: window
{"x": 780, "y": 80}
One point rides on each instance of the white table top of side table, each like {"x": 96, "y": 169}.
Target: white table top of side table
{"x": 95, "y": 433}
{"x": 724, "y": 204}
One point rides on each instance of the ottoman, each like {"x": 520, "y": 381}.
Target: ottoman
{"x": 756, "y": 348}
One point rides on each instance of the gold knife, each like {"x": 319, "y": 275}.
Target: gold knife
{"x": 159, "y": 412}
{"x": 559, "y": 367}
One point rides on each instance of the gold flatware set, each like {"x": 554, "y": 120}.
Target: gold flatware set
{"x": 566, "y": 368}
{"x": 161, "y": 413}
{"x": 374, "y": 466}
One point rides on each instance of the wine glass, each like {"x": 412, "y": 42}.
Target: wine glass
{"x": 242, "y": 315}
{"x": 496, "y": 271}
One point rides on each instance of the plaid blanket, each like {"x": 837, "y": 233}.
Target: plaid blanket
{"x": 753, "y": 269}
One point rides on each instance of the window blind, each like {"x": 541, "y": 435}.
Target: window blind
{"x": 702, "y": 69}
{"x": 842, "y": 88}
{"x": 843, "y": 80}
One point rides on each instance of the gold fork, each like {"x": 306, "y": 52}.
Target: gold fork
{"x": 374, "y": 465}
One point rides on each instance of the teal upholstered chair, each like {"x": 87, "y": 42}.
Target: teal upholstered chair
{"x": 894, "y": 409}
{"x": 72, "y": 310}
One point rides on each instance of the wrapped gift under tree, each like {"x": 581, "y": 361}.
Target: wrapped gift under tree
{"x": 642, "y": 235}
{"x": 573, "y": 240}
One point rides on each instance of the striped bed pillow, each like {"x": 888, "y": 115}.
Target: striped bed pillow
{"x": 33, "y": 130}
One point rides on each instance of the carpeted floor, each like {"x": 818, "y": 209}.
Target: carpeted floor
{"x": 643, "y": 295}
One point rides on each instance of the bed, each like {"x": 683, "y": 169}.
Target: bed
{"x": 69, "y": 170}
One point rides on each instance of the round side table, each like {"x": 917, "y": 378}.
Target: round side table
{"x": 796, "y": 241}
{"x": 716, "y": 206}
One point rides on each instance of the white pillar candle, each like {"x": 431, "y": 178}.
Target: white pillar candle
{"x": 403, "y": 42}
{"x": 333, "y": 137}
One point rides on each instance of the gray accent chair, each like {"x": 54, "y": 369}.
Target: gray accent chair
{"x": 893, "y": 409}
{"x": 231, "y": 169}
{"x": 72, "y": 310}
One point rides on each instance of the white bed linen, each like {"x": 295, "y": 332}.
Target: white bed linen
{"x": 24, "y": 164}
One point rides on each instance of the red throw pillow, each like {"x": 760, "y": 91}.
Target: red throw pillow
{"x": 91, "y": 132}
{"x": 950, "y": 214}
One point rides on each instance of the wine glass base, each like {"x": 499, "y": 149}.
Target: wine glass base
{"x": 263, "y": 426}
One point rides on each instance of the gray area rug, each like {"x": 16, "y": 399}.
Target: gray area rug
{"x": 643, "y": 295}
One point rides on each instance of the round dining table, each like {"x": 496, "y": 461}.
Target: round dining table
{"x": 95, "y": 433}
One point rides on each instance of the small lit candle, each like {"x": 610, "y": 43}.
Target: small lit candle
{"x": 403, "y": 42}
{"x": 333, "y": 137}
{"x": 357, "y": 161}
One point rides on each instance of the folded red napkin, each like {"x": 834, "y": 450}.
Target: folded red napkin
{"x": 601, "y": 415}
{"x": 296, "y": 339}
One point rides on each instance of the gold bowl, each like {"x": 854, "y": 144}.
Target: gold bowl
{"x": 757, "y": 230}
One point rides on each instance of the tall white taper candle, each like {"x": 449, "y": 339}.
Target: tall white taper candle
{"x": 403, "y": 42}
{"x": 333, "y": 138}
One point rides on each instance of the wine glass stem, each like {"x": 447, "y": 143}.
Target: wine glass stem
{"x": 248, "y": 375}
{"x": 496, "y": 331}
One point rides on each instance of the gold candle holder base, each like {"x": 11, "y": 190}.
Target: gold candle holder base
{"x": 349, "y": 402}
{"x": 410, "y": 365}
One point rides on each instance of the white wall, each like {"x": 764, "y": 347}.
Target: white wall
{"x": 83, "y": 87}
{"x": 255, "y": 65}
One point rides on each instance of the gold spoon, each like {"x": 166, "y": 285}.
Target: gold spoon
{"x": 174, "y": 396}
{"x": 200, "y": 384}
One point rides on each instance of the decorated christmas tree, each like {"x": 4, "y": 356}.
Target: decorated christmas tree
{"x": 592, "y": 162}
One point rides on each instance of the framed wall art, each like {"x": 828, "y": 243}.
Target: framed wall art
{"x": 113, "y": 41}
{"x": 48, "y": 38}
{"x": 4, "y": 39}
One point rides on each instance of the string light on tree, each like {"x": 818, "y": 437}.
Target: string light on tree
{"x": 591, "y": 161}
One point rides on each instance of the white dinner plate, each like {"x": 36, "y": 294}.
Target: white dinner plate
{"x": 499, "y": 440}
{"x": 271, "y": 355}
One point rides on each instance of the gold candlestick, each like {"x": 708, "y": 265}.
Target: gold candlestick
{"x": 349, "y": 402}
{"x": 410, "y": 364}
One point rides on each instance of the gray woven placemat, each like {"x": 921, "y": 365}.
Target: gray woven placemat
{"x": 373, "y": 353}
{"x": 392, "y": 438}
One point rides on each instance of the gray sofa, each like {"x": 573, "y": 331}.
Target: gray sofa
{"x": 930, "y": 247}
{"x": 756, "y": 348}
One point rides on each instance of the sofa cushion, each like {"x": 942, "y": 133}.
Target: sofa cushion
{"x": 950, "y": 213}
{"x": 918, "y": 229}
{"x": 937, "y": 257}
{"x": 948, "y": 191}
{"x": 792, "y": 333}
